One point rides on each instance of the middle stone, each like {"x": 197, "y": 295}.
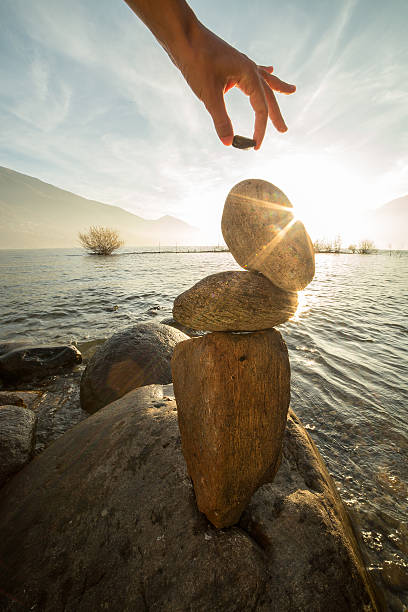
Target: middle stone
{"x": 232, "y": 393}
{"x": 234, "y": 301}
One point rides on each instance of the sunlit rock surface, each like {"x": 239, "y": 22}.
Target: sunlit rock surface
{"x": 232, "y": 393}
{"x": 262, "y": 234}
{"x": 233, "y": 301}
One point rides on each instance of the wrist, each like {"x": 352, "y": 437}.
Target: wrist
{"x": 182, "y": 38}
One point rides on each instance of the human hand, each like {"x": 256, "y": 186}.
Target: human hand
{"x": 211, "y": 67}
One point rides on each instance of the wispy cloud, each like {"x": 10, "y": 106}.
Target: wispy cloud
{"x": 93, "y": 104}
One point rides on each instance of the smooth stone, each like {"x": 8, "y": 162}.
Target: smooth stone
{"x": 241, "y": 142}
{"x": 134, "y": 357}
{"x": 37, "y": 362}
{"x": 234, "y": 301}
{"x": 232, "y": 393}
{"x": 17, "y": 438}
{"x": 106, "y": 519}
{"x": 262, "y": 234}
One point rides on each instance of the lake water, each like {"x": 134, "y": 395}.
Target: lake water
{"x": 347, "y": 346}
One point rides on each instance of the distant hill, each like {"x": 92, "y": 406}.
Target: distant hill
{"x": 388, "y": 225}
{"x": 34, "y": 214}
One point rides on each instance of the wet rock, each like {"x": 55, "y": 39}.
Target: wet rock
{"x": 233, "y": 301}
{"x": 37, "y": 362}
{"x": 301, "y": 516}
{"x": 232, "y": 393}
{"x": 106, "y": 517}
{"x": 192, "y": 333}
{"x": 6, "y": 347}
{"x": 134, "y": 357}
{"x": 58, "y": 409}
{"x": 17, "y": 436}
{"x": 262, "y": 234}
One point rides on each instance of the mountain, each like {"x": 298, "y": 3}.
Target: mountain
{"x": 388, "y": 225}
{"x": 34, "y": 214}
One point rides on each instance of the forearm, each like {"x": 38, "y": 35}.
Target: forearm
{"x": 172, "y": 22}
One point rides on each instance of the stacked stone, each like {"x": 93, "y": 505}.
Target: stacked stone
{"x": 232, "y": 386}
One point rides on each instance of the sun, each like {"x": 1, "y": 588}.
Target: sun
{"x": 327, "y": 196}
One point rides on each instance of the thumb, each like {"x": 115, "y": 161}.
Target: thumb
{"x": 222, "y": 123}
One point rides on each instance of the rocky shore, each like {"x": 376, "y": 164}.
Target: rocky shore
{"x": 104, "y": 517}
{"x": 121, "y": 491}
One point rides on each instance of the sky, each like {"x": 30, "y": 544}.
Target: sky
{"x": 90, "y": 102}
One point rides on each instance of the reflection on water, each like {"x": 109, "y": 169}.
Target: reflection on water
{"x": 347, "y": 345}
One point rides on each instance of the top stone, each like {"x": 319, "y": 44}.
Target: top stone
{"x": 263, "y": 234}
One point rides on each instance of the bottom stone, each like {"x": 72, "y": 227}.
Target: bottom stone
{"x": 232, "y": 392}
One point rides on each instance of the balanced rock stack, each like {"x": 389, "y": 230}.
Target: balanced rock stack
{"x": 232, "y": 386}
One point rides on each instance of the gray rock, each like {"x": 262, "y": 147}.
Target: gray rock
{"x": 137, "y": 356}
{"x": 37, "y": 362}
{"x": 234, "y": 301}
{"x": 17, "y": 435}
{"x": 263, "y": 235}
{"x": 106, "y": 518}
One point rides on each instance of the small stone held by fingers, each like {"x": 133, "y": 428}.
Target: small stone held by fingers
{"x": 240, "y": 142}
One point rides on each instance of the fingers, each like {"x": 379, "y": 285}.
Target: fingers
{"x": 267, "y": 68}
{"x": 259, "y": 89}
{"x": 222, "y": 122}
{"x": 273, "y": 109}
{"x": 258, "y": 83}
{"x": 254, "y": 89}
{"x": 275, "y": 83}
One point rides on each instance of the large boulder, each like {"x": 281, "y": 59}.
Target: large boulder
{"x": 234, "y": 301}
{"x": 134, "y": 357}
{"x": 263, "y": 234}
{"x": 232, "y": 393}
{"x": 29, "y": 363}
{"x": 17, "y": 438}
{"x": 106, "y": 519}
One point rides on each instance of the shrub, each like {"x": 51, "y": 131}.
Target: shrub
{"x": 365, "y": 246}
{"x": 100, "y": 240}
